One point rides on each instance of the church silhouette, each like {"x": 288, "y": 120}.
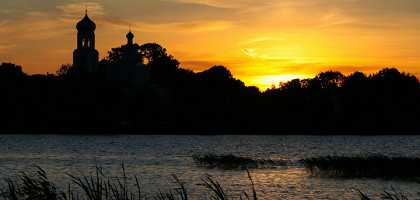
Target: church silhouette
{"x": 129, "y": 71}
{"x": 86, "y": 56}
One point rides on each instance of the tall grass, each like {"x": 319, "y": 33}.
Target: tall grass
{"x": 230, "y": 161}
{"x": 363, "y": 166}
{"x": 32, "y": 187}
{"x": 100, "y": 187}
{"x": 393, "y": 195}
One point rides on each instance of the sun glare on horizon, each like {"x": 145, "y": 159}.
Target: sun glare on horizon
{"x": 261, "y": 44}
{"x": 266, "y": 82}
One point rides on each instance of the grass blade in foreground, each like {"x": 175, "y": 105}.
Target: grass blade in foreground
{"x": 100, "y": 187}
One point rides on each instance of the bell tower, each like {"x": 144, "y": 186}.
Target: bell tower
{"x": 86, "y": 56}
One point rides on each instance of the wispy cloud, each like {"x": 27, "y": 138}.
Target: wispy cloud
{"x": 73, "y": 10}
{"x": 3, "y": 22}
{"x": 4, "y": 47}
{"x": 335, "y": 17}
{"x": 217, "y": 3}
{"x": 242, "y": 6}
{"x": 249, "y": 52}
{"x": 38, "y": 14}
{"x": 191, "y": 26}
{"x": 6, "y": 11}
{"x": 261, "y": 39}
{"x": 256, "y": 54}
{"x": 116, "y": 22}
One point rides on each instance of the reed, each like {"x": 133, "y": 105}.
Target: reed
{"x": 219, "y": 194}
{"x": 99, "y": 187}
{"x": 374, "y": 166}
{"x": 32, "y": 187}
{"x": 230, "y": 161}
{"x": 392, "y": 195}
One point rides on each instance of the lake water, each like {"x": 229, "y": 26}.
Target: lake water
{"x": 152, "y": 158}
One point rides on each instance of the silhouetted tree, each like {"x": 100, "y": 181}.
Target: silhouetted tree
{"x": 10, "y": 71}
{"x": 217, "y": 72}
{"x": 330, "y": 79}
{"x": 292, "y": 85}
{"x": 162, "y": 66}
{"x": 153, "y": 52}
{"x": 115, "y": 55}
{"x": 311, "y": 84}
{"x": 64, "y": 69}
{"x": 220, "y": 78}
{"x": 355, "y": 81}
{"x": 392, "y": 79}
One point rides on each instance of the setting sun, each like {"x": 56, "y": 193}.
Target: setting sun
{"x": 257, "y": 42}
{"x": 264, "y": 82}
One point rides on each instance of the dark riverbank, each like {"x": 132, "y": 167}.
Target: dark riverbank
{"x": 209, "y": 102}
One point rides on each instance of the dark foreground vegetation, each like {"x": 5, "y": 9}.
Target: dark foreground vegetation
{"x": 100, "y": 187}
{"x": 180, "y": 101}
{"x": 364, "y": 166}
{"x": 230, "y": 161}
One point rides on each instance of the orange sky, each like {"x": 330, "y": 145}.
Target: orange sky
{"x": 261, "y": 42}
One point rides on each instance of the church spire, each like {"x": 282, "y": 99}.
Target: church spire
{"x": 129, "y": 36}
{"x": 86, "y": 56}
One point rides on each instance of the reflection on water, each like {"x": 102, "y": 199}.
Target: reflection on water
{"x": 153, "y": 158}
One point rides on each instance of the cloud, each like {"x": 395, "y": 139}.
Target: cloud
{"x": 263, "y": 39}
{"x": 275, "y": 57}
{"x": 241, "y": 6}
{"x": 335, "y": 17}
{"x": 73, "y": 11}
{"x": 6, "y": 11}
{"x": 3, "y": 22}
{"x": 116, "y": 22}
{"x": 34, "y": 26}
{"x": 38, "y": 14}
{"x": 180, "y": 27}
{"x": 217, "y": 3}
{"x": 191, "y": 26}
{"x": 249, "y": 52}
{"x": 4, "y": 47}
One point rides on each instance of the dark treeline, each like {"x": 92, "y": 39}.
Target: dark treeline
{"x": 380, "y": 103}
{"x": 180, "y": 101}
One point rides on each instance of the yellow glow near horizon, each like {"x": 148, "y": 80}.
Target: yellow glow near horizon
{"x": 261, "y": 43}
{"x": 265, "y": 82}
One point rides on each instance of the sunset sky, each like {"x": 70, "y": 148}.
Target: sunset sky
{"x": 261, "y": 42}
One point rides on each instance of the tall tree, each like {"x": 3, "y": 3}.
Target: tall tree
{"x": 392, "y": 79}
{"x": 163, "y": 67}
{"x": 64, "y": 69}
{"x": 330, "y": 79}
{"x": 10, "y": 71}
{"x": 355, "y": 81}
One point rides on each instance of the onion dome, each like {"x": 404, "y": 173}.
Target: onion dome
{"x": 130, "y": 35}
{"x": 86, "y": 24}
